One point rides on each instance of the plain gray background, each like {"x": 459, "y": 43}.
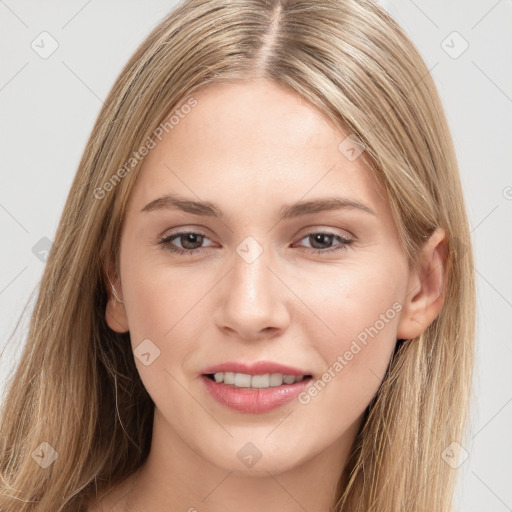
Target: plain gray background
{"x": 48, "y": 107}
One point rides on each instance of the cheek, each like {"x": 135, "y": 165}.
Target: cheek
{"x": 151, "y": 305}
{"x": 157, "y": 314}
{"x": 164, "y": 305}
{"x": 157, "y": 294}
{"x": 357, "y": 332}
{"x": 352, "y": 302}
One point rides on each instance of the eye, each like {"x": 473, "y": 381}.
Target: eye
{"x": 191, "y": 242}
{"x": 190, "y": 239}
{"x": 319, "y": 238}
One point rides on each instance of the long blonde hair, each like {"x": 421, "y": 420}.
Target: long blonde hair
{"x": 350, "y": 59}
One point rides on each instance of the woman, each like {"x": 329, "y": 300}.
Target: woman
{"x": 195, "y": 345}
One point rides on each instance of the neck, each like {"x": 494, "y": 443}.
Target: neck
{"x": 175, "y": 477}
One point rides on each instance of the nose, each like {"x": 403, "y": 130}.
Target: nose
{"x": 252, "y": 304}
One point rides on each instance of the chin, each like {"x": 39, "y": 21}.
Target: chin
{"x": 246, "y": 459}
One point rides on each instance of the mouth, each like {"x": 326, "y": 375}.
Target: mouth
{"x": 254, "y": 394}
{"x": 256, "y": 387}
{"x": 261, "y": 381}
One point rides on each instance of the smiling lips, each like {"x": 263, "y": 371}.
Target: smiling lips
{"x": 255, "y": 388}
{"x": 243, "y": 380}
{"x": 257, "y": 368}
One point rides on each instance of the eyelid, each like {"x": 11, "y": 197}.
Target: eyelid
{"x": 307, "y": 230}
{"x": 343, "y": 241}
{"x": 318, "y": 228}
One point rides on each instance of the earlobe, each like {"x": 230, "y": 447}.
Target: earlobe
{"x": 115, "y": 312}
{"x": 426, "y": 292}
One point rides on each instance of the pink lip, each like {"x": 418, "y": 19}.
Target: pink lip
{"x": 251, "y": 400}
{"x": 258, "y": 368}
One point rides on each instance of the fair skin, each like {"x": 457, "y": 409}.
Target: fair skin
{"x": 251, "y": 147}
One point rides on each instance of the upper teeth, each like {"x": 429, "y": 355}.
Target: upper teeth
{"x": 242, "y": 380}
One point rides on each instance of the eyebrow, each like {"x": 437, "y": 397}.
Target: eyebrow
{"x": 209, "y": 209}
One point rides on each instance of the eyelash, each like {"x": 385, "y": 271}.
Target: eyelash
{"x": 166, "y": 242}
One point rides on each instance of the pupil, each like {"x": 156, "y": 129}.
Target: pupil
{"x": 318, "y": 238}
{"x": 190, "y": 238}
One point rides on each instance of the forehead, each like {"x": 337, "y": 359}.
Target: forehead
{"x": 257, "y": 142}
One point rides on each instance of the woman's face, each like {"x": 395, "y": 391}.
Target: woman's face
{"x": 250, "y": 287}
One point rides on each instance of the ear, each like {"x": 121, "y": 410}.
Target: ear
{"x": 426, "y": 290}
{"x": 115, "y": 312}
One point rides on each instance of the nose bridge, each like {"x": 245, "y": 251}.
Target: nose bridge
{"x": 252, "y": 302}
{"x": 251, "y": 276}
